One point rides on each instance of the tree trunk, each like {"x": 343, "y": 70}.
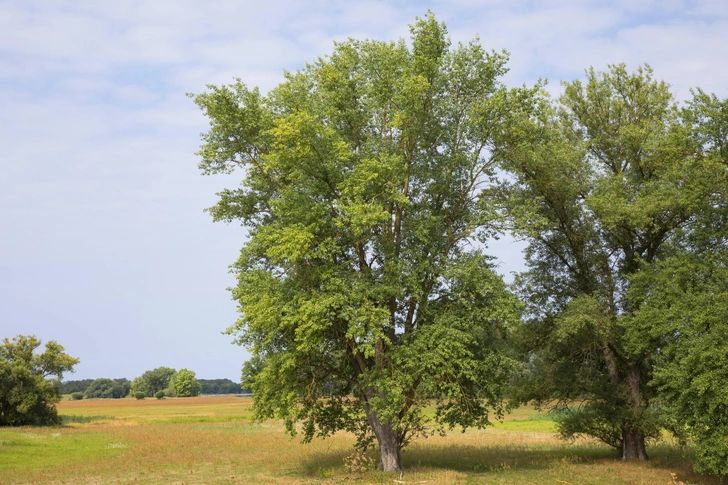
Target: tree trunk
{"x": 633, "y": 439}
{"x": 389, "y": 456}
{"x": 633, "y": 445}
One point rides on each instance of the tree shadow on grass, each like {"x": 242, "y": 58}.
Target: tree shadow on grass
{"x": 518, "y": 460}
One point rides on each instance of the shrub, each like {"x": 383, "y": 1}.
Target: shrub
{"x": 159, "y": 395}
{"x": 76, "y": 396}
{"x": 139, "y": 395}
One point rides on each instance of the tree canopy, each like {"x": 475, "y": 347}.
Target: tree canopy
{"x": 604, "y": 184}
{"x": 364, "y": 279}
{"x": 184, "y": 384}
{"x": 685, "y": 302}
{"x": 219, "y": 386}
{"x": 108, "y": 388}
{"x": 28, "y": 381}
{"x": 152, "y": 381}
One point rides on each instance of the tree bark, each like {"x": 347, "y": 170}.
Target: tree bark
{"x": 633, "y": 445}
{"x": 633, "y": 439}
{"x": 389, "y": 446}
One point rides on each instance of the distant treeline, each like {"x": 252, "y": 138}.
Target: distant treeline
{"x": 219, "y": 386}
{"x": 209, "y": 386}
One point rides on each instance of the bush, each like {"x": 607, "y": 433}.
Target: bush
{"x": 159, "y": 395}
{"x": 139, "y": 395}
{"x": 76, "y": 396}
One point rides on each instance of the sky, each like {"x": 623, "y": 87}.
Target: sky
{"x": 104, "y": 245}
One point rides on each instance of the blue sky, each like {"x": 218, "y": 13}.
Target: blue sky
{"x": 103, "y": 243}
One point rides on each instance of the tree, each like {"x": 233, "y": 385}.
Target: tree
{"x": 685, "y": 303}
{"x": 152, "y": 381}
{"x": 184, "y": 384}
{"x": 219, "y": 386}
{"x": 108, "y": 389}
{"x": 601, "y": 184}
{"x": 251, "y": 369}
{"x": 363, "y": 285}
{"x": 27, "y": 390}
{"x": 69, "y": 387}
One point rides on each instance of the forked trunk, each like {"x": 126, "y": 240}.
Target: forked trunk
{"x": 633, "y": 445}
{"x": 389, "y": 446}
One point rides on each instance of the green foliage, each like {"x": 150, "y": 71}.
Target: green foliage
{"x": 139, "y": 394}
{"x": 27, "y": 393}
{"x": 219, "y": 386}
{"x": 69, "y": 387}
{"x": 107, "y": 389}
{"x": 364, "y": 196}
{"x": 251, "y": 369}
{"x": 687, "y": 301}
{"x": 152, "y": 381}
{"x": 602, "y": 185}
{"x": 76, "y": 396}
{"x": 159, "y": 395}
{"x": 184, "y": 384}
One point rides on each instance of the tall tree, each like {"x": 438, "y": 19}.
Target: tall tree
{"x": 600, "y": 183}
{"x": 685, "y": 302}
{"x": 29, "y": 379}
{"x": 362, "y": 287}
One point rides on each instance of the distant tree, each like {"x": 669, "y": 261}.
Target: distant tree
{"x": 184, "y": 384}
{"x": 108, "y": 389}
{"x": 251, "y": 369}
{"x": 69, "y": 387}
{"x": 219, "y": 386}
{"x": 27, "y": 381}
{"x": 152, "y": 381}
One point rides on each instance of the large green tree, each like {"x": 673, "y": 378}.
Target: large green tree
{"x": 685, "y": 303}
{"x": 29, "y": 380}
{"x": 363, "y": 287}
{"x": 601, "y": 183}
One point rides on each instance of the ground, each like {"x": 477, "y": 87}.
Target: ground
{"x": 212, "y": 440}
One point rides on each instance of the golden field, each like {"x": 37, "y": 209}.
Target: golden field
{"x": 212, "y": 440}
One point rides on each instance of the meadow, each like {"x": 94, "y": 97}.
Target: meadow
{"x": 212, "y": 440}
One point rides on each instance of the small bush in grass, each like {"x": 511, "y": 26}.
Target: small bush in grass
{"x": 159, "y": 395}
{"x": 76, "y": 396}
{"x": 139, "y": 395}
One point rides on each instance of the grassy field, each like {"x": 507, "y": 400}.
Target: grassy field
{"x": 211, "y": 440}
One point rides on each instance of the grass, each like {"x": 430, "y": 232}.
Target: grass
{"x": 212, "y": 440}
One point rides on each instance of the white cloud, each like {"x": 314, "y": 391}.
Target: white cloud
{"x": 99, "y": 176}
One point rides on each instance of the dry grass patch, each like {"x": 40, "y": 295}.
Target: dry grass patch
{"x": 208, "y": 440}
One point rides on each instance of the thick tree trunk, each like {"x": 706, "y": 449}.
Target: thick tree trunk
{"x": 633, "y": 439}
{"x": 389, "y": 445}
{"x": 633, "y": 445}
